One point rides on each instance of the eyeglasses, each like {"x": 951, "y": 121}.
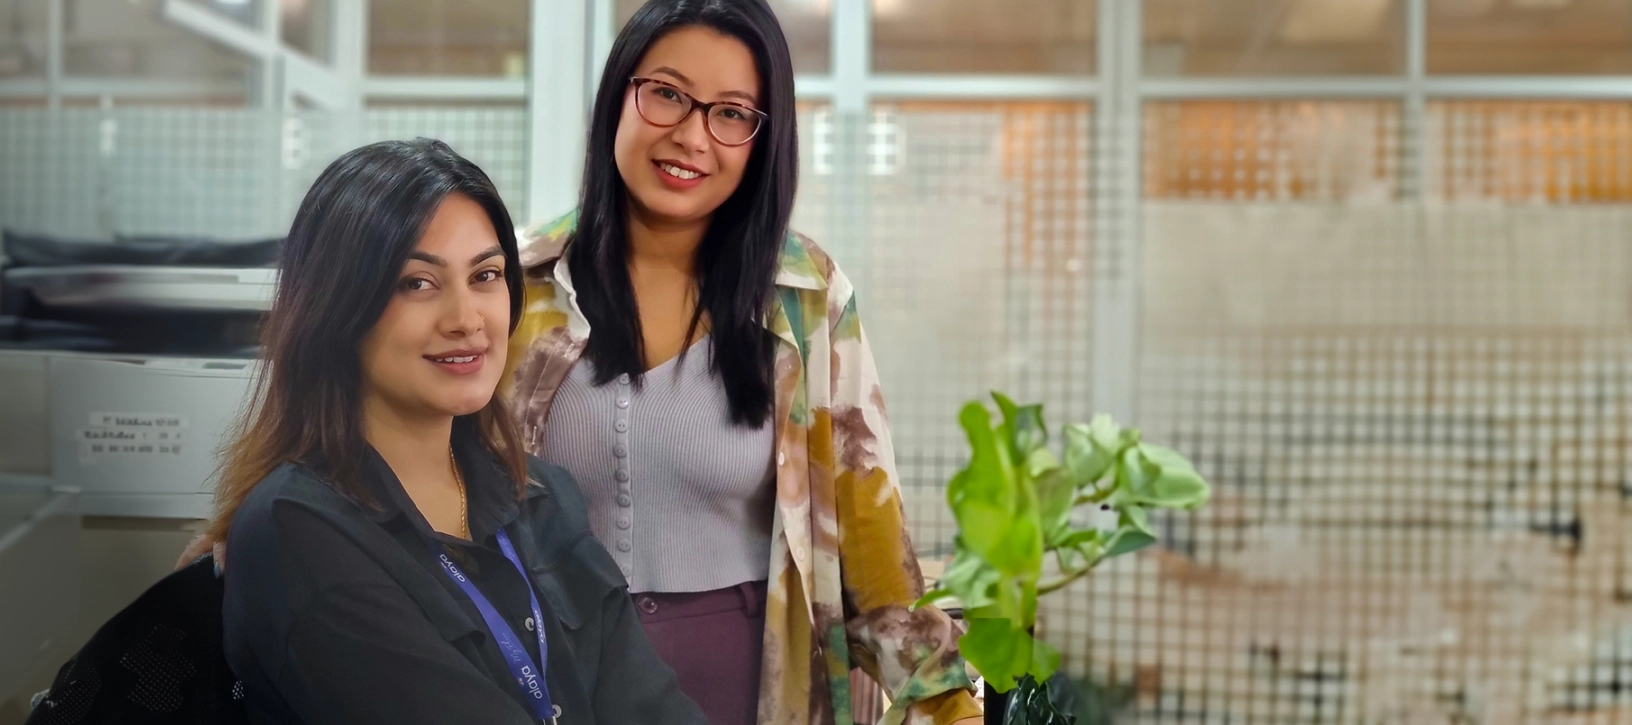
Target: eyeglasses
{"x": 662, "y": 104}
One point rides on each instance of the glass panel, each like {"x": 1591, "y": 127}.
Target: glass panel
{"x": 448, "y": 37}
{"x": 305, "y": 26}
{"x": 244, "y": 12}
{"x": 1409, "y": 412}
{"x": 807, "y": 23}
{"x": 1529, "y": 151}
{"x": 1530, "y": 36}
{"x": 117, "y": 38}
{"x": 1272, "y": 150}
{"x": 93, "y": 173}
{"x": 1273, "y": 37}
{"x": 231, "y": 173}
{"x": 22, "y": 38}
{"x": 493, "y": 136}
{"x": 979, "y": 36}
{"x": 967, "y": 230}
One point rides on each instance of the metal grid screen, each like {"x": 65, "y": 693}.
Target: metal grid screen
{"x": 231, "y": 174}
{"x": 493, "y": 138}
{"x": 90, "y": 173}
{"x": 966, "y": 229}
{"x": 1413, "y": 415}
{"x": 1562, "y": 151}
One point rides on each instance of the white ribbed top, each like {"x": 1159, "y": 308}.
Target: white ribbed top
{"x": 681, "y": 497}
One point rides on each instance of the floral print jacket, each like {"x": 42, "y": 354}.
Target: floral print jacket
{"x": 843, "y": 573}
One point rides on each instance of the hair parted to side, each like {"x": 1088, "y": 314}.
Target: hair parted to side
{"x": 348, "y": 244}
{"x": 737, "y": 261}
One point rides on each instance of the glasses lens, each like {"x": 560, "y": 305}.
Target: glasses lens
{"x": 661, "y": 104}
{"x": 733, "y": 125}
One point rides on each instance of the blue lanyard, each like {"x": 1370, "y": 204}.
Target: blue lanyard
{"x": 528, "y": 675}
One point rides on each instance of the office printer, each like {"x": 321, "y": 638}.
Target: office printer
{"x": 124, "y": 362}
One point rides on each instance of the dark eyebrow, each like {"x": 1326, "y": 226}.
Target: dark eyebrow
{"x": 484, "y": 255}
{"x": 677, "y": 75}
{"x": 428, "y": 258}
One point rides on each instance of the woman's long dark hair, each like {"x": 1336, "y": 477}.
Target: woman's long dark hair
{"x": 341, "y": 263}
{"x": 737, "y": 260}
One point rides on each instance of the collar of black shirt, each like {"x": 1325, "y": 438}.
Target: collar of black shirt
{"x": 490, "y": 496}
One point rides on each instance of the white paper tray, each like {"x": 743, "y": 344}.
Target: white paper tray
{"x": 157, "y": 288}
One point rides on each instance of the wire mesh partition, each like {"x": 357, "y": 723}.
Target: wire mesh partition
{"x": 88, "y": 173}
{"x": 494, "y": 138}
{"x": 966, "y": 229}
{"x": 1272, "y": 150}
{"x": 230, "y": 174}
{"x": 1413, "y": 411}
{"x": 1413, "y": 415}
{"x": 1529, "y": 151}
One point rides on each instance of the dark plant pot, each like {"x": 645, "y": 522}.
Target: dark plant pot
{"x": 996, "y": 704}
{"x": 1032, "y": 703}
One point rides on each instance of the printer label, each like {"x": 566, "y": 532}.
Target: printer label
{"x": 139, "y": 421}
{"x": 124, "y": 435}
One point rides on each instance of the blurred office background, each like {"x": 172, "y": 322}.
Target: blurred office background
{"x": 1368, "y": 263}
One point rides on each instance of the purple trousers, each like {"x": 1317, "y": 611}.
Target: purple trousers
{"x": 712, "y": 641}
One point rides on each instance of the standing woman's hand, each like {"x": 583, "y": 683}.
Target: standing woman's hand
{"x": 201, "y": 545}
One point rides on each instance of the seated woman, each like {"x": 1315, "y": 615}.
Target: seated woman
{"x": 396, "y": 558}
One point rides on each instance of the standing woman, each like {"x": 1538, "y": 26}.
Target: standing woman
{"x": 702, "y": 372}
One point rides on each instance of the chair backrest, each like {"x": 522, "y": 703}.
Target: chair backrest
{"x": 159, "y": 661}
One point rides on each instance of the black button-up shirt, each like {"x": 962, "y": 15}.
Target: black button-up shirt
{"x": 337, "y": 612}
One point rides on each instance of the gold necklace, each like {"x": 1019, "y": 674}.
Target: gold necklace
{"x": 464, "y": 520}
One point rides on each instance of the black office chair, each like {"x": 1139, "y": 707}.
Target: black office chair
{"x": 159, "y": 662}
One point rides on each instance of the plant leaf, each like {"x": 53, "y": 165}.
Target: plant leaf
{"x": 1128, "y": 541}
{"x": 985, "y": 527}
{"x": 1128, "y": 437}
{"x": 1022, "y": 427}
{"x": 1028, "y": 601}
{"x": 1175, "y": 483}
{"x": 1084, "y": 543}
{"x": 1106, "y": 434}
{"x": 1041, "y": 462}
{"x": 982, "y": 495}
{"x": 1005, "y": 601}
{"x": 1086, "y": 457}
{"x": 992, "y": 645}
{"x": 1136, "y": 518}
{"x": 932, "y": 596}
{"x": 1055, "y": 492}
{"x": 989, "y": 476}
{"x": 971, "y": 579}
{"x": 1090, "y": 551}
{"x": 1020, "y": 549}
{"x": 1045, "y": 660}
{"x": 1077, "y": 537}
{"x": 1003, "y": 653}
{"x": 1132, "y": 476}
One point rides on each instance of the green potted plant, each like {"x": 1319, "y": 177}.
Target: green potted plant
{"x": 1017, "y": 504}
